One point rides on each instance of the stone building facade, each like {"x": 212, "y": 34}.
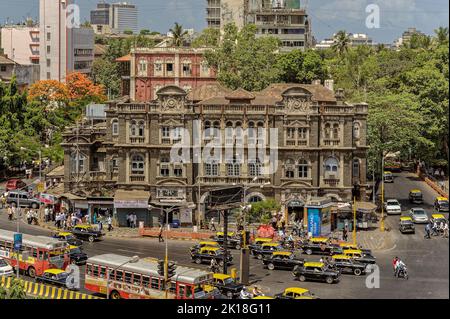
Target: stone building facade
{"x": 318, "y": 139}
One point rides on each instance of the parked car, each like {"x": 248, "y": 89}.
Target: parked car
{"x": 14, "y": 184}
{"x": 5, "y": 269}
{"x": 418, "y": 215}
{"x": 346, "y": 265}
{"x": 16, "y": 198}
{"x": 87, "y": 232}
{"x": 227, "y": 285}
{"x": 316, "y": 271}
{"x": 441, "y": 204}
{"x": 295, "y": 293}
{"x": 282, "y": 260}
{"x": 393, "y": 207}
{"x": 415, "y": 196}
{"x": 406, "y": 225}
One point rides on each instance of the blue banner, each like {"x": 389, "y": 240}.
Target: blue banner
{"x": 314, "y": 221}
{"x": 17, "y": 241}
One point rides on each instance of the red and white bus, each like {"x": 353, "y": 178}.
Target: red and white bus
{"x": 141, "y": 280}
{"x": 43, "y": 253}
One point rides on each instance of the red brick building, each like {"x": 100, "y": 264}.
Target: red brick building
{"x": 154, "y": 68}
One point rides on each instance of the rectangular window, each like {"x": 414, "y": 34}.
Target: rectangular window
{"x": 48, "y": 49}
{"x": 48, "y": 63}
{"x": 302, "y": 133}
{"x": 164, "y": 171}
{"x": 145, "y": 281}
{"x": 48, "y": 75}
{"x": 187, "y": 69}
{"x": 48, "y": 36}
{"x": 290, "y": 132}
{"x": 169, "y": 68}
{"x": 102, "y": 272}
{"x": 95, "y": 270}
{"x": 155, "y": 283}
{"x": 128, "y": 278}
{"x": 136, "y": 279}
{"x": 165, "y": 132}
{"x": 3, "y": 68}
{"x": 178, "y": 172}
{"x": 119, "y": 275}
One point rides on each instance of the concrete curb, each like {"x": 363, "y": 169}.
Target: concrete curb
{"x": 433, "y": 185}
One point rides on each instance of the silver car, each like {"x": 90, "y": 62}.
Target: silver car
{"x": 16, "y": 198}
{"x": 418, "y": 215}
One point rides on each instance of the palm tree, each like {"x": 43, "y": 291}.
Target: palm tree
{"x": 178, "y": 35}
{"x": 441, "y": 35}
{"x": 341, "y": 42}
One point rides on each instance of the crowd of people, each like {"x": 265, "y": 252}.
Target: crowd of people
{"x": 436, "y": 229}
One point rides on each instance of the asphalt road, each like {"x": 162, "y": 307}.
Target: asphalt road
{"x": 427, "y": 260}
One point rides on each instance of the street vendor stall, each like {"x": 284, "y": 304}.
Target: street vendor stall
{"x": 365, "y": 216}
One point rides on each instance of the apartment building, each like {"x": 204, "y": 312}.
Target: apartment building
{"x": 63, "y": 48}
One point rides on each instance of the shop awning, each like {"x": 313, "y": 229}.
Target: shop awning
{"x": 58, "y": 171}
{"x": 365, "y": 206}
{"x": 71, "y": 196}
{"x": 131, "y": 199}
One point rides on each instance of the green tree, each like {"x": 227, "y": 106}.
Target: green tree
{"x": 262, "y": 211}
{"x": 301, "y": 67}
{"x": 209, "y": 37}
{"x": 441, "y": 36}
{"x": 128, "y": 32}
{"x": 17, "y": 290}
{"x": 107, "y": 73}
{"x": 243, "y": 60}
{"x": 178, "y": 35}
{"x": 144, "y": 32}
{"x": 342, "y": 42}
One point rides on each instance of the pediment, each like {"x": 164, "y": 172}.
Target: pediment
{"x": 171, "y": 182}
{"x": 297, "y": 92}
{"x": 295, "y": 184}
{"x": 171, "y": 90}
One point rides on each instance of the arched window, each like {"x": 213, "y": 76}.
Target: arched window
{"x": 239, "y": 133}
{"x": 142, "y": 67}
{"x": 336, "y": 131}
{"x": 133, "y": 128}
{"x": 234, "y": 167}
{"x": 254, "y": 168}
{"x": 141, "y": 128}
{"x": 327, "y": 132}
{"x": 229, "y": 133}
{"x": 356, "y": 130}
{"x": 115, "y": 127}
{"x": 302, "y": 168}
{"x": 212, "y": 169}
{"x": 78, "y": 162}
{"x": 331, "y": 165}
{"x": 289, "y": 168}
{"x": 137, "y": 164}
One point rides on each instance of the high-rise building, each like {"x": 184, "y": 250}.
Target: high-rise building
{"x": 21, "y": 43}
{"x": 100, "y": 15}
{"x": 123, "y": 16}
{"x": 63, "y": 48}
{"x": 283, "y": 19}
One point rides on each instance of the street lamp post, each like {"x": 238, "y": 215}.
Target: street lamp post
{"x": 133, "y": 260}
{"x": 382, "y": 194}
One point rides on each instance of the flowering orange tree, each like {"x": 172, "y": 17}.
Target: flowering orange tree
{"x": 47, "y": 91}
{"x": 80, "y": 87}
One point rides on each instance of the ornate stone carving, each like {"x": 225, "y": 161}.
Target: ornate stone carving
{"x": 297, "y": 104}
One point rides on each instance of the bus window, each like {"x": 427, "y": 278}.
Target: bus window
{"x": 89, "y": 269}
{"x": 155, "y": 283}
{"x": 34, "y": 253}
{"x": 119, "y": 275}
{"x": 95, "y": 270}
{"x": 172, "y": 287}
{"x": 40, "y": 255}
{"x": 45, "y": 255}
{"x": 102, "y": 272}
{"x": 112, "y": 274}
{"x": 137, "y": 279}
{"x": 128, "y": 278}
{"x": 181, "y": 291}
{"x": 145, "y": 281}
{"x": 189, "y": 292}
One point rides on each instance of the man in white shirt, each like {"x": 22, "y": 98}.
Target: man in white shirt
{"x": 46, "y": 214}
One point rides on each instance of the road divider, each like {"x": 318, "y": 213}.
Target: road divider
{"x": 46, "y": 291}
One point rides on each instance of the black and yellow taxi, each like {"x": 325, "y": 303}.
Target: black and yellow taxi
{"x": 388, "y": 177}
{"x": 406, "y": 225}
{"x": 441, "y": 204}
{"x": 227, "y": 285}
{"x": 258, "y": 241}
{"x": 204, "y": 243}
{"x": 234, "y": 239}
{"x": 349, "y": 246}
{"x": 346, "y": 265}
{"x": 361, "y": 256}
{"x": 295, "y": 293}
{"x": 68, "y": 237}
{"x": 267, "y": 249}
{"x": 87, "y": 232}
{"x": 317, "y": 271}
{"x": 320, "y": 246}
{"x": 206, "y": 254}
{"x": 437, "y": 218}
{"x": 282, "y": 260}
{"x": 57, "y": 277}
{"x": 415, "y": 196}
{"x": 76, "y": 255}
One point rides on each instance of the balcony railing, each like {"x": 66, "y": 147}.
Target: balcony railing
{"x": 332, "y": 142}
{"x": 332, "y": 182}
{"x": 97, "y": 175}
{"x": 137, "y": 178}
{"x": 137, "y": 140}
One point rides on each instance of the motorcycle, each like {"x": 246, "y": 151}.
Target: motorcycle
{"x": 403, "y": 273}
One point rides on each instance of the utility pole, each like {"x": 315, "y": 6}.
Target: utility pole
{"x": 225, "y": 240}
{"x": 382, "y": 194}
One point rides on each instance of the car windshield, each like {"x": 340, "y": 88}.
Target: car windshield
{"x": 443, "y": 203}
{"x": 228, "y": 281}
{"x": 76, "y": 251}
{"x": 3, "y": 263}
{"x": 62, "y": 275}
{"x": 419, "y": 212}
{"x": 392, "y": 202}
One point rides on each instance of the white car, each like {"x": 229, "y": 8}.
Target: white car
{"x": 393, "y": 207}
{"x": 5, "y": 269}
{"x": 418, "y": 215}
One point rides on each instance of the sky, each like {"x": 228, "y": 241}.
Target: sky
{"x": 327, "y": 16}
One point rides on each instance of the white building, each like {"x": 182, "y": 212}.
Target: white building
{"x": 123, "y": 16}
{"x": 21, "y": 43}
{"x": 63, "y": 48}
